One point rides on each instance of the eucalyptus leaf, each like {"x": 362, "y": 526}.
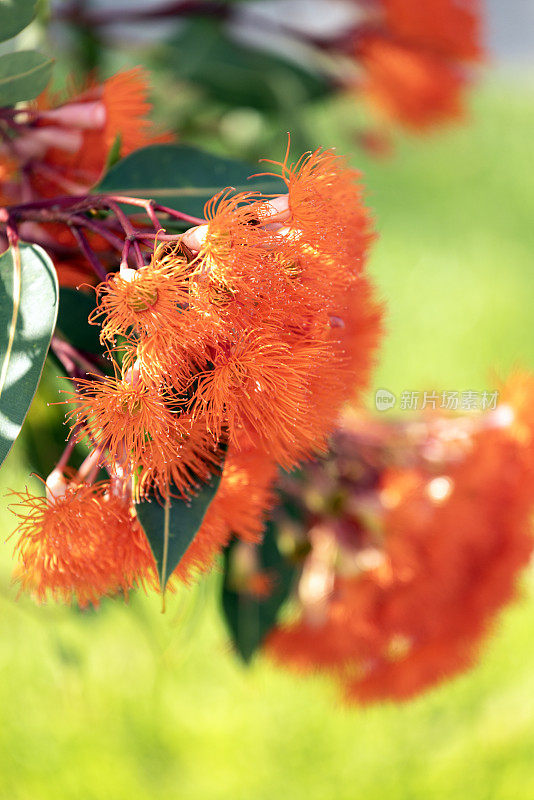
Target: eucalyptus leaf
{"x": 72, "y": 320}
{"x": 249, "y": 618}
{"x": 114, "y": 153}
{"x": 15, "y": 15}
{"x": 43, "y": 436}
{"x": 171, "y": 527}
{"x": 182, "y": 177}
{"x": 23, "y": 76}
{"x": 28, "y": 310}
{"x": 232, "y": 73}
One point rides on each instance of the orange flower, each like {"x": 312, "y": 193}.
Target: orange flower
{"x": 67, "y": 148}
{"x": 258, "y": 389}
{"x": 246, "y": 495}
{"x": 238, "y": 509}
{"x": 414, "y": 87}
{"x": 326, "y": 211}
{"x": 179, "y": 463}
{"x": 152, "y": 308}
{"x": 405, "y": 576}
{"x": 145, "y": 302}
{"x": 234, "y": 244}
{"x": 123, "y": 415}
{"x": 354, "y": 335}
{"x": 64, "y": 149}
{"x": 415, "y": 56}
{"x": 288, "y": 266}
{"x": 231, "y": 258}
{"x": 83, "y": 544}
{"x": 249, "y": 332}
{"x": 445, "y": 27}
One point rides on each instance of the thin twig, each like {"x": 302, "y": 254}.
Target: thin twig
{"x": 98, "y": 228}
{"x": 67, "y": 352}
{"x": 141, "y": 203}
{"x": 161, "y": 237}
{"x": 129, "y": 230}
{"x": 79, "y": 16}
{"x": 88, "y": 252}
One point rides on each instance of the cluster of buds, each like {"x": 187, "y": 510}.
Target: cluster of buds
{"x": 414, "y": 535}
{"x": 59, "y": 146}
{"x": 244, "y": 336}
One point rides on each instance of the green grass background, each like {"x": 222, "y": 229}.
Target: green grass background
{"x": 128, "y": 703}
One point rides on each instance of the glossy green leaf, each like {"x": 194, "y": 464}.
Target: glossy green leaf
{"x": 23, "y": 76}
{"x": 182, "y": 177}
{"x": 114, "y": 153}
{"x": 170, "y": 528}
{"x": 43, "y": 436}
{"x": 249, "y": 618}
{"x": 15, "y": 15}
{"x": 28, "y": 310}
{"x": 72, "y": 320}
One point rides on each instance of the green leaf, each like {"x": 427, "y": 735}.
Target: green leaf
{"x": 181, "y": 177}
{"x": 249, "y": 618}
{"x": 171, "y": 527}
{"x": 74, "y": 309}
{"x": 15, "y": 15}
{"x": 231, "y": 73}
{"x": 23, "y": 76}
{"x": 114, "y": 153}
{"x": 28, "y": 310}
{"x": 43, "y": 436}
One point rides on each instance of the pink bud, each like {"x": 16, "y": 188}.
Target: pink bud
{"x": 87, "y": 116}
{"x": 194, "y": 238}
{"x": 132, "y": 373}
{"x": 275, "y": 212}
{"x": 35, "y": 143}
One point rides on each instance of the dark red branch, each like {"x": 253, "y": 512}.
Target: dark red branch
{"x": 177, "y": 8}
{"x": 88, "y": 252}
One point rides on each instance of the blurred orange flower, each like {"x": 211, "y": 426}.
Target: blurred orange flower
{"x": 410, "y": 563}
{"x": 411, "y": 86}
{"x": 415, "y": 60}
{"x": 67, "y": 148}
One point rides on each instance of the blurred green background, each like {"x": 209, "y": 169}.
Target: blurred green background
{"x": 128, "y": 703}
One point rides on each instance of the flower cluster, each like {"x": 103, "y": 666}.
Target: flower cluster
{"x": 415, "y": 57}
{"x": 61, "y": 146}
{"x": 247, "y": 334}
{"x": 79, "y": 542}
{"x": 417, "y": 536}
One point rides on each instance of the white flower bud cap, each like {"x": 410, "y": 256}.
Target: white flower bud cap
{"x": 56, "y": 485}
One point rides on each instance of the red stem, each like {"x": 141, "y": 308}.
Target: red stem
{"x": 88, "y": 252}
{"x": 176, "y": 8}
{"x": 125, "y": 254}
{"x": 161, "y": 237}
{"x": 69, "y": 209}
{"x": 67, "y": 353}
{"x": 129, "y": 230}
{"x": 96, "y": 227}
{"x": 140, "y": 203}
{"x": 66, "y": 454}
